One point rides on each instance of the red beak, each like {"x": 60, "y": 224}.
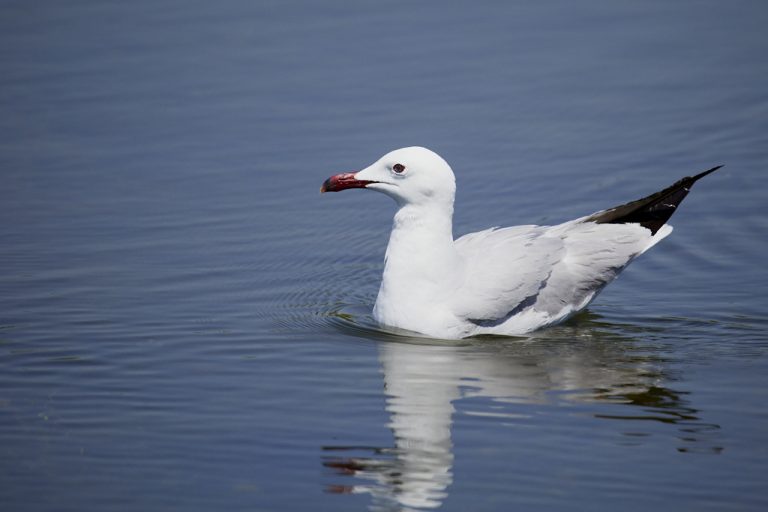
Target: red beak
{"x": 343, "y": 181}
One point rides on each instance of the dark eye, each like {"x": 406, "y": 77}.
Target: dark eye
{"x": 398, "y": 168}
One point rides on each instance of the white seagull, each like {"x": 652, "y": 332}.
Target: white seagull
{"x": 505, "y": 281}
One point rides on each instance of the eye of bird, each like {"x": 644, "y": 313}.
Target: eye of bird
{"x": 398, "y": 168}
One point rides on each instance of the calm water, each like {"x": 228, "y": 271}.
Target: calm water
{"x": 185, "y": 322}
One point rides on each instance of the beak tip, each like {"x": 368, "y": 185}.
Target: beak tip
{"x": 343, "y": 181}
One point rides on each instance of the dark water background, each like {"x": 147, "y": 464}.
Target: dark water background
{"x": 184, "y": 320}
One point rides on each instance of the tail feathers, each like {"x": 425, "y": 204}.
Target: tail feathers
{"x": 653, "y": 211}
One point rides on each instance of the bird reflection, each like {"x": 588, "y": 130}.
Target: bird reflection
{"x": 586, "y": 362}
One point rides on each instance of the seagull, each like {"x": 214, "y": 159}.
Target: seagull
{"x": 500, "y": 281}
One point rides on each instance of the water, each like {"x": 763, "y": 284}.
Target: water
{"x": 185, "y": 322}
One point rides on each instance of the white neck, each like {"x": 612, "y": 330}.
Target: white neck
{"x": 421, "y": 264}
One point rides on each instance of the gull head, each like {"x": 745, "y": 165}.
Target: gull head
{"x": 411, "y": 176}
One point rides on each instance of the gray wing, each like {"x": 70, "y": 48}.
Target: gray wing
{"x": 550, "y": 270}
{"x": 505, "y": 269}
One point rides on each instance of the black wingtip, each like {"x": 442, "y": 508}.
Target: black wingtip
{"x": 651, "y": 212}
{"x": 702, "y": 174}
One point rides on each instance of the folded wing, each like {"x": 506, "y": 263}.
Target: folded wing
{"x": 505, "y": 271}
{"x": 543, "y": 273}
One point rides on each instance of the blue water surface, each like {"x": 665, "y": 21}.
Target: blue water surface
{"x": 185, "y": 322}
